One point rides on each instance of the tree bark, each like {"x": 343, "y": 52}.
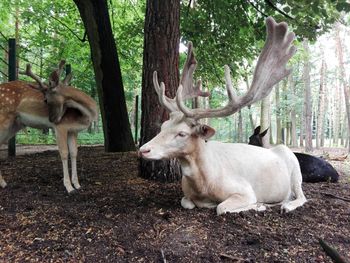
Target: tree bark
{"x": 307, "y": 102}
{"x": 325, "y": 120}
{"x": 240, "y": 127}
{"x": 251, "y": 119}
{"x": 265, "y": 120}
{"x": 343, "y": 78}
{"x": 337, "y": 109}
{"x": 116, "y": 126}
{"x": 161, "y": 53}
{"x": 293, "y": 122}
{"x": 321, "y": 105}
{"x": 278, "y": 115}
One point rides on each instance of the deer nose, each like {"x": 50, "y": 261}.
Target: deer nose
{"x": 144, "y": 151}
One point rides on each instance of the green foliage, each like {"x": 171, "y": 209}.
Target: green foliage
{"x": 232, "y": 32}
{"x": 223, "y": 32}
{"x": 35, "y": 136}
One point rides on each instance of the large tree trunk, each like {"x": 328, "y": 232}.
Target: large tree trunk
{"x": 307, "y": 102}
{"x": 116, "y": 126}
{"x": 161, "y": 53}
{"x": 343, "y": 78}
{"x": 321, "y": 105}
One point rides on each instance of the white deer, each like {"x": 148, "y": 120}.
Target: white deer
{"x": 65, "y": 109}
{"x": 233, "y": 177}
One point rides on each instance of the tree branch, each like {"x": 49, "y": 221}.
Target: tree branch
{"x": 269, "y": 3}
{"x": 257, "y": 9}
{"x": 3, "y": 35}
{"x": 249, "y": 19}
{"x": 332, "y": 252}
{"x": 70, "y": 30}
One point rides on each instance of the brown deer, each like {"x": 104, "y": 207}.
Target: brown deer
{"x": 54, "y": 105}
{"x": 231, "y": 177}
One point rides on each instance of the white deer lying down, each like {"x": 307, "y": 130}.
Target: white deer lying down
{"x": 57, "y": 105}
{"x": 233, "y": 177}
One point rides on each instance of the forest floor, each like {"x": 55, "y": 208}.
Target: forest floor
{"x": 119, "y": 217}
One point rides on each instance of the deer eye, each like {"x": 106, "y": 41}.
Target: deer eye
{"x": 182, "y": 134}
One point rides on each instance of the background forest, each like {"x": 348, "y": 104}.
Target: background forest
{"x": 307, "y": 109}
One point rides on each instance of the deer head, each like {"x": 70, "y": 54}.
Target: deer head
{"x": 52, "y": 91}
{"x": 256, "y": 138}
{"x": 178, "y": 134}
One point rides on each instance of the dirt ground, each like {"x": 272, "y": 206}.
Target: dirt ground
{"x": 118, "y": 217}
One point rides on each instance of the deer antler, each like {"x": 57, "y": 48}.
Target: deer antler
{"x": 190, "y": 91}
{"x": 270, "y": 69}
{"x": 67, "y": 79}
{"x": 29, "y": 73}
{"x": 54, "y": 78}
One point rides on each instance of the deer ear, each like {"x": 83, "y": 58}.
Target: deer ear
{"x": 257, "y": 130}
{"x": 54, "y": 79}
{"x": 67, "y": 79}
{"x": 263, "y": 133}
{"x": 205, "y": 131}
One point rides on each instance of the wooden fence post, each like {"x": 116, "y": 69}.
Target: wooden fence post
{"x": 12, "y": 75}
{"x": 136, "y": 118}
{"x": 68, "y": 69}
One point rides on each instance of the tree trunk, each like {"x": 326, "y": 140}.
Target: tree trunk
{"x": 116, "y": 126}
{"x": 278, "y": 115}
{"x": 161, "y": 53}
{"x": 343, "y": 78}
{"x": 265, "y": 120}
{"x": 321, "y": 106}
{"x": 325, "y": 123}
{"x": 240, "y": 127}
{"x": 337, "y": 109}
{"x": 293, "y": 122}
{"x": 251, "y": 119}
{"x": 307, "y": 102}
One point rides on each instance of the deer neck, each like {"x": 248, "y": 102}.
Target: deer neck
{"x": 193, "y": 164}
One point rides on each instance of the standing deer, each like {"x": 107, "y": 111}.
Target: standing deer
{"x": 231, "y": 177}
{"x": 54, "y": 105}
{"x": 313, "y": 169}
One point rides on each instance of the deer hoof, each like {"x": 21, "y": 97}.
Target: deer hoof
{"x": 72, "y": 192}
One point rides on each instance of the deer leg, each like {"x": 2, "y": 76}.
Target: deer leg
{"x": 3, "y": 184}
{"x": 61, "y": 137}
{"x": 187, "y": 203}
{"x": 297, "y": 191}
{"x": 73, "y": 152}
{"x": 9, "y": 126}
{"x": 239, "y": 202}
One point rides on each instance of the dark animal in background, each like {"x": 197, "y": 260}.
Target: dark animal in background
{"x": 313, "y": 169}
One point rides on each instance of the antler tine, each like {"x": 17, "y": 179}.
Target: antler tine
{"x": 54, "y": 78}
{"x": 60, "y": 67}
{"x": 270, "y": 69}
{"x": 191, "y": 91}
{"x": 166, "y": 102}
{"x": 29, "y": 73}
{"x": 186, "y": 81}
{"x": 67, "y": 79}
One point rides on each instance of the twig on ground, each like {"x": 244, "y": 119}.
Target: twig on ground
{"x": 332, "y": 252}
{"x": 163, "y": 255}
{"x": 236, "y": 259}
{"x": 336, "y": 197}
